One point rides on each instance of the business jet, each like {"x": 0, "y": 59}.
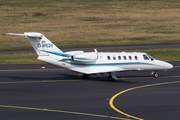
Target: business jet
{"x": 93, "y": 63}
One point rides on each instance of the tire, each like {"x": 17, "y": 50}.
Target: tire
{"x": 86, "y": 76}
{"x": 156, "y": 75}
{"x": 110, "y": 78}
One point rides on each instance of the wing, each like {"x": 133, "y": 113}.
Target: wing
{"x": 109, "y": 69}
{"x": 98, "y": 70}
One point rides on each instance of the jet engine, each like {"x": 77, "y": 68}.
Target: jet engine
{"x": 85, "y": 57}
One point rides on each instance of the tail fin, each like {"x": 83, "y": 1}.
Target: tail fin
{"x": 40, "y": 43}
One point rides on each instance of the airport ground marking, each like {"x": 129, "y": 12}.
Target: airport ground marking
{"x": 42, "y": 81}
{"x": 62, "y": 111}
{"x": 133, "y": 88}
{"x": 87, "y": 114}
{"x": 22, "y": 70}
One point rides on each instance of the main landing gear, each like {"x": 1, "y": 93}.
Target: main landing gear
{"x": 155, "y": 74}
{"x": 112, "y": 77}
{"x": 86, "y": 76}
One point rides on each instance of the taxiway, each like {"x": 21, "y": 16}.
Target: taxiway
{"x": 28, "y": 92}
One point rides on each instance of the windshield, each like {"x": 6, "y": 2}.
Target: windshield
{"x": 150, "y": 57}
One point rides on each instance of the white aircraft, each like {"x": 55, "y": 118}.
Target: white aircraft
{"x": 93, "y": 63}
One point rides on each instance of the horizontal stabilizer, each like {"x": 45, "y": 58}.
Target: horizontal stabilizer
{"x": 19, "y": 34}
{"x": 33, "y": 35}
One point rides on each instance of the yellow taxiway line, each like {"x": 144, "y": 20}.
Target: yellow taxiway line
{"x": 42, "y": 81}
{"x": 112, "y": 99}
{"x": 62, "y": 111}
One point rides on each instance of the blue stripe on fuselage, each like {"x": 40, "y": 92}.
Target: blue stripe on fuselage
{"x": 106, "y": 64}
{"x": 56, "y": 53}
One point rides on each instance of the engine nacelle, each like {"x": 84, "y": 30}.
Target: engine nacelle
{"x": 74, "y": 52}
{"x": 85, "y": 57}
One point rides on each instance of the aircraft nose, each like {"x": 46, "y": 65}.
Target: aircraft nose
{"x": 168, "y": 65}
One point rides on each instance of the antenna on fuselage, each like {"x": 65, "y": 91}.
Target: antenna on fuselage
{"x": 95, "y": 51}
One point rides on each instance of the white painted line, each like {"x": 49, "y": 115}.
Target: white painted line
{"x": 176, "y": 66}
{"x": 20, "y": 70}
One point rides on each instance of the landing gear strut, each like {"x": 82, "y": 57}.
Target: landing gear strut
{"x": 155, "y": 74}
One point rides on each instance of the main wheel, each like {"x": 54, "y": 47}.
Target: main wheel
{"x": 86, "y": 76}
{"x": 156, "y": 75}
{"x": 110, "y": 78}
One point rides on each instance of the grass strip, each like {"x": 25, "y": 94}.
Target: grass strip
{"x": 17, "y": 59}
{"x": 81, "y": 23}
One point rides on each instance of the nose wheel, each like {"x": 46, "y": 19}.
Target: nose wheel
{"x": 155, "y": 74}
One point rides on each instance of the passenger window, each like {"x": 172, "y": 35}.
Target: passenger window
{"x": 119, "y": 57}
{"x": 114, "y": 58}
{"x": 124, "y": 57}
{"x": 136, "y": 58}
{"x": 130, "y": 58}
{"x": 108, "y": 57}
{"x": 145, "y": 57}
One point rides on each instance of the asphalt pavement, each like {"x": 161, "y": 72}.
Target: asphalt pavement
{"x": 29, "y": 92}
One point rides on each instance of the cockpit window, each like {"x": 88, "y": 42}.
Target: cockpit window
{"x": 150, "y": 57}
{"x": 145, "y": 57}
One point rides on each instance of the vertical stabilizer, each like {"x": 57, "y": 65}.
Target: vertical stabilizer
{"x": 41, "y": 44}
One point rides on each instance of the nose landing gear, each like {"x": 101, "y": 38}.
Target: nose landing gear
{"x": 155, "y": 74}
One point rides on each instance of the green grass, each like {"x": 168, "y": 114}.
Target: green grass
{"x": 76, "y": 23}
{"x": 17, "y": 59}
{"x": 160, "y": 54}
